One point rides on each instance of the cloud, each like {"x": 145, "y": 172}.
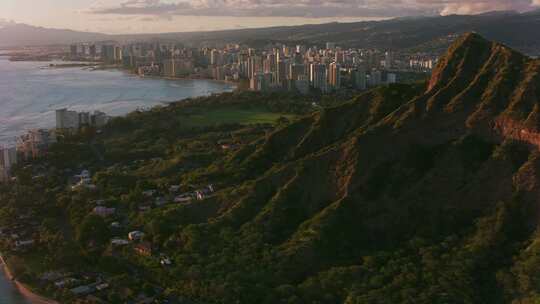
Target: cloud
{"x": 309, "y": 8}
{"x": 5, "y": 23}
{"x": 464, "y": 7}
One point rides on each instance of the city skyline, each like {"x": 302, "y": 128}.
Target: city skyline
{"x": 158, "y": 16}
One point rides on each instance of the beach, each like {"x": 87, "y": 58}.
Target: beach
{"x": 25, "y": 292}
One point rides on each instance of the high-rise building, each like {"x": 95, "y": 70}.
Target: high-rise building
{"x": 388, "y": 60}
{"x": 359, "y": 79}
{"x": 375, "y": 78}
{"x": 73, "y": 50}
{"x": 334, "y": 75}
{"x": 391, "y": 78}
{"x": 302, "y": 84}
{"x": 118, "y": 54}
{"x": 107, "y": 53}
{"x": 67, "y": 119}
{"x": 99, "y": 119}
{"x": 254, "y": 66}
{"x": 169, "y": 68}
{"x": 296, "y": 71}
{"x": 8, "y": 158}
{"x": 92, "y": 50}
{"x": 35, "y": 143}
{"x": 281, "y": 73}
{"x": 84, "y": 118}
{"x": 330, "y": 45}
{"x": 260, "y": 82}
{"x": 317, "y": 77}
{"x": 340, "y": 57}
{"x": 270, "y": 63}
{"x": 216, "y": 57}
{"x": 218, "y": 73}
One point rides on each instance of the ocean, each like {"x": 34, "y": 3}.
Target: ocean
{"x": 9, "y": 294}
{"x": 29, "y": 93}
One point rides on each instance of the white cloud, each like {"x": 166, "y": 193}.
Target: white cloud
{"x": 5, "y": 23}
{"x": 309, "y": 8}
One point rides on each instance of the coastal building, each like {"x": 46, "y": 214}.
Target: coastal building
{"x": 375, "y": 78}
{"x": 334, "y": 75}
{"x": 8, "y": 158}
{"x": 388, "y": 60}
{"x": 340, "y": 57}
{"x": 67, "y": 119}
{"x": 118, "y": 54}
{"x": 148, "y": 70}
{"x": 216, "y": 57}
{"x": 317, "y": 77}
{"x": 84, "y": 119}
{"x": 302, "y": 85}
{"x": 296, "y": 71}
{"x": 92, "y": 51}
{"x": 35, "y": 143}
{"x": 108, "y": 53}
{"x": 178, "y": 67}
{"x": 391, "y": 78}
{"x": 284, "y": 63}
{"x": 72, "y": 120}
{"x": 359, "y": 79}
{"x": 73, "y": 50}
{"x": 218, "y": 73}
{"x": 261, "y": 82}
{"x": 282, "y": 72}
{"x": 98, "y": 119}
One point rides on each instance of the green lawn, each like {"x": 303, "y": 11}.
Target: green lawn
{"x": 224, "y": 116}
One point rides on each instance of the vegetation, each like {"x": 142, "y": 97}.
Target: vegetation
{"x": 399, "y": 195}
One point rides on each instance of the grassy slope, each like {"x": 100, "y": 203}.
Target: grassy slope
{"x": 231, "y": 116}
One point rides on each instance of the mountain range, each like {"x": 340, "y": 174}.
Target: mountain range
{"x": 17, "y": 34}
{"x": 433, "y": 33}
{"x": 405, "y": 194}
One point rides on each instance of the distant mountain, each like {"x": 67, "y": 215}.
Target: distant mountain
{"x": 421, "y": 193}
{"x": 393, "y": 199}
{"x": 16, "y": 34}
{"x": 518, "y": 30}
{"x": 421, "y": 33}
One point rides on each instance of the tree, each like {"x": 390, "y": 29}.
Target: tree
{"x": 93, "y": 229}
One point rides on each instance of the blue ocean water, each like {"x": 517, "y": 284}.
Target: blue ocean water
{"x": 9, "y": 293}
{"x": 29, "y": 95}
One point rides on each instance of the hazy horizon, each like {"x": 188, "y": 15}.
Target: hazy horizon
{"x": 160, "y": 16}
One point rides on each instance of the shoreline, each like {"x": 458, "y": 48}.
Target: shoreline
{"x": 23, "y": 289}
{"x": 99, "y": 66}
{"x": 206, "y": 87}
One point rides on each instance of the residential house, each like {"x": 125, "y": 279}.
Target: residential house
{"x": 135, "y": 235}
{"x": 184, "y": 198}
{"x": 104, "y": 211}
{"x": 144, "y": 249}
{"x": 117, "y": 242}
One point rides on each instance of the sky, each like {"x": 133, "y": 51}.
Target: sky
{"x": 153, "y": 16}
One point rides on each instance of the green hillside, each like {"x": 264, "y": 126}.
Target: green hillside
{"x": 404, "y": 194}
